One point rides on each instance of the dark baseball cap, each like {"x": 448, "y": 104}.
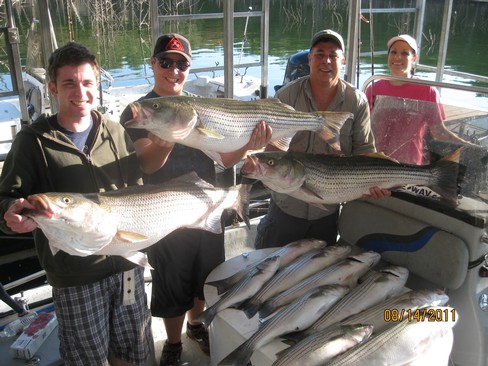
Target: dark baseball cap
{"x": 172, "y": 43}
{"x": 327, "y": 35}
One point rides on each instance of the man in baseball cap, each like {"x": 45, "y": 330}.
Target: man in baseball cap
{"x": 172, "y": 43}
{"x": 328, "y": 35}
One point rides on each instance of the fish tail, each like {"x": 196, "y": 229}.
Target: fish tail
{"x": 333, "y": 122}
{"x": 207, "y": 316}
{"x": 266, "y": 310}
{"x": 242, "y": 203}
{"x": 223, "y": 285}
{"x": 447, "y": 172}
{"x": 250, "y": 308}
{"x": 238, "y": 357}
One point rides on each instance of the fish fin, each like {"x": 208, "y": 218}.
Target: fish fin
{"x": 207, "y": 316}
{"x": 250, "y": 308}
{"x": 333, "y": 122}
{"x": 310, "y": 192}
{"x": 273, "y": 101}
{"x": 240, "y": 356}
{"x": 140, "y": 259}
{"x": 295, "y": 336}
{"x": 282, "y": 143}
{"x": 210, "y": 133}
{"x": 319, "y": 206}
{"x": 380, "y": 155}
{"x": 448, "y": 173}
{"x": 213, "y": 223}
{"x": 266, "y": 310}
{"x": 130, "y": 237}
{"x": 241, "y": 205}
{"x": 54, "y": 250}
{"x": 225, "y": 284}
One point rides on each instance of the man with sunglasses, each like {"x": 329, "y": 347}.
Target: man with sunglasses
{"x": 182, "y": 260}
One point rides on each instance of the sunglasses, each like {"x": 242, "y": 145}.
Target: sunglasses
{"x": 181, "y": 65}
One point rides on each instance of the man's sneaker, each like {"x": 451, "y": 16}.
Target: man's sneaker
{"x": 171, "y": 354}
{"x": 199, "y": 334}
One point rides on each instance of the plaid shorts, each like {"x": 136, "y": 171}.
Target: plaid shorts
{"x": 93, "y": 320}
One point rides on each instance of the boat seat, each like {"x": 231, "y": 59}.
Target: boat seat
{"x": 406, "y": 241}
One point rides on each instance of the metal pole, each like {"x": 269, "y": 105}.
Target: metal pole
{"x": 14, "y": 55}
{"x": 229, "y": 49}
{"x": 446, "y": 24}
{"x": 47, "y": 42}
{"x": 263, "y": 93}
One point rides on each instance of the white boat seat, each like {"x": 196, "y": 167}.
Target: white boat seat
{"x": 405, "y": 241}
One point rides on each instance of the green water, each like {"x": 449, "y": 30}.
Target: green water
{"x": 124, "y": 47}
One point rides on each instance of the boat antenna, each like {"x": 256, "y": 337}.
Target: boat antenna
{"x": 244, "y": 38}
{"x": 371, "y": 35}
{"x": 358, "y": 61}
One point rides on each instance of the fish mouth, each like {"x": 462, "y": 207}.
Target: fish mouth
{"x": 250, "y": 168}
{"x": 41, "y": 205}
{"x": 138, "y": 114}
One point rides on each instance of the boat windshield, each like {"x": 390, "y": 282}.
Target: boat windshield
{"x": 420, "y": 132}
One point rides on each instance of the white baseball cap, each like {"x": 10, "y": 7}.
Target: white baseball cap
{"x": 405, "y": 38}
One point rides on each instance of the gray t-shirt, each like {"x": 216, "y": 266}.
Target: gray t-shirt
{"x": 355, "y": 137}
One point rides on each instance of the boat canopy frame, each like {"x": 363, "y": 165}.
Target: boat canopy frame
{"x": 157, "y": 27}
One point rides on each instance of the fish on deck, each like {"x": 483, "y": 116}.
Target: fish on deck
{"x": 242, "y": 290}
{"x": 287, "y": 254}
{"x": 297, "y": 316}
{"x": 125, "y": 221}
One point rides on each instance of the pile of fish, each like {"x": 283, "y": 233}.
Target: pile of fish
{"x": 332, "y": 308}
{"x": 330, "y": 179}
{"x": 125, "y": 221}
{"x": 225, "y": 125}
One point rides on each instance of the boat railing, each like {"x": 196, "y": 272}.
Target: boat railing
{"x": 437, "y": 84}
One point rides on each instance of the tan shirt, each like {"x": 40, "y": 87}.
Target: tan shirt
{"x": 355, "y": 138}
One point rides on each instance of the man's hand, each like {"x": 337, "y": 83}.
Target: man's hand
{"x": 17, "y": 222}
{"x": 261, "y": 135}
{"x": 160, "y": 142}
{"x": 377, "y": 193}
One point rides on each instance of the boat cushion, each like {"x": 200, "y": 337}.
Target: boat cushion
{"x": 429, "y": 252}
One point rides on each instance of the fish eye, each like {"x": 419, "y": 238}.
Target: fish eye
{"x": 271, "y": 162}
{"x": 67, "y": 200}
{"x": 155, "y": 105}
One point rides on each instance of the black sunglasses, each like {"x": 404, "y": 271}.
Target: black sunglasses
{"x": 181, "y": 65}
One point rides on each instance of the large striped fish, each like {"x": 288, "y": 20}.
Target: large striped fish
{"x": 128, "y": 220}
{"x": 331, "y": 179}
{"x": 225, "y": 125}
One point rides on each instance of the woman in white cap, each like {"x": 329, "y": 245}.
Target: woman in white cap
{"x": 401, "y": 133}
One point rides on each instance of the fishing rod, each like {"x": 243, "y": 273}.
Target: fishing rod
{"x": 244, "y": 38}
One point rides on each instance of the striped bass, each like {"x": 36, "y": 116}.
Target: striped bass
{"x": 401, "y": 304}
{"x": 243, "y": 290}
{"x": 299, "y": 315}
{"x": 287, "y": 254}
{"x": 323, "y": 345}
{"x": 404, "y": 343}
{"x": 376, "y": 287}
{"x": 125, "y": 221}
{"x": 299, "y": 269}
{"x": 332, "y": 179}
{"x": 225, "y": 125}
{"x": 346, "y": 272}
